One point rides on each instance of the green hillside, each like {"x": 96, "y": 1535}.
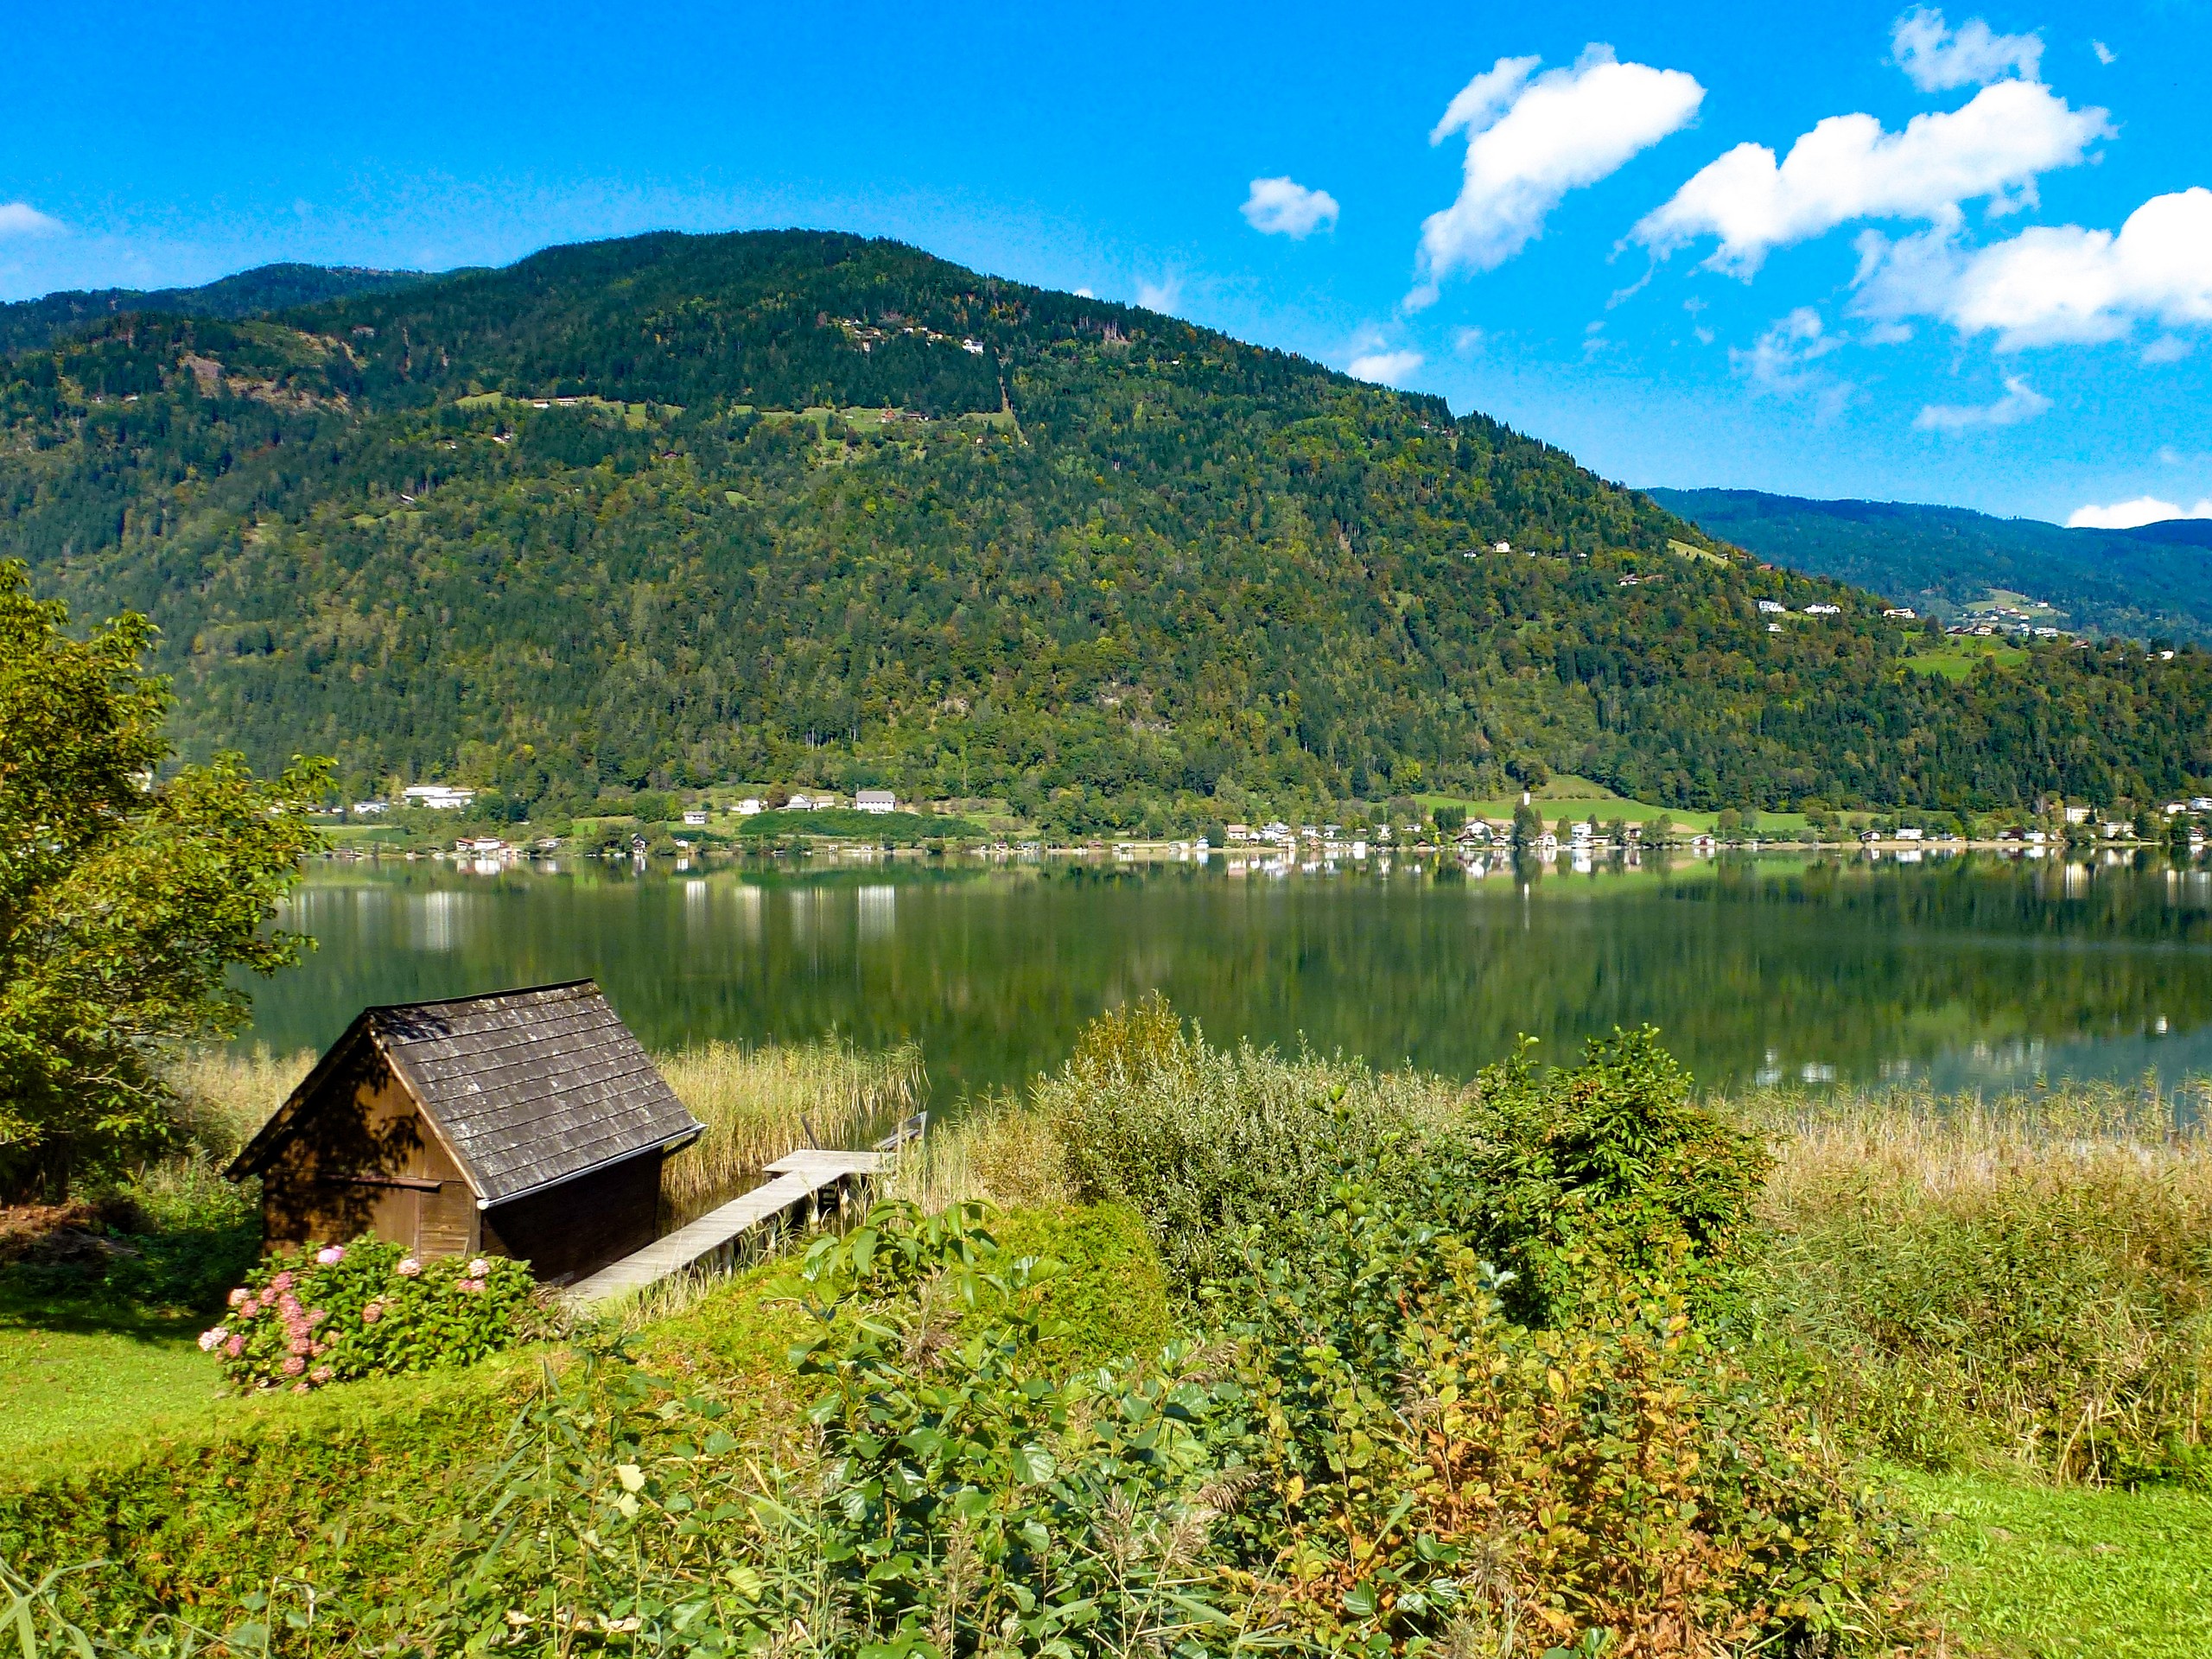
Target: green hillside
{"x": 2153, "y": 582}
{"x": 32, "y": 324}
{"x": 802, "y": 506}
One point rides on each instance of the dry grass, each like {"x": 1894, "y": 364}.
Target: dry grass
{"x": 998, "y": 1150}
{"x": 759, "y": 1103}
{"x": 225, "y": 1096}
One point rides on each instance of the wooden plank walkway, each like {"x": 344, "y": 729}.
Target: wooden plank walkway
{"x": 798, "y": 1182}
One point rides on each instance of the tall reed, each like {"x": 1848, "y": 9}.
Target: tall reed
{"x": 761, "y": 1102}
{"x": 2023, "y": 1277}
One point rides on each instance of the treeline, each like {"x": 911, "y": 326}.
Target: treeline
{"x": 1110, "y": 567}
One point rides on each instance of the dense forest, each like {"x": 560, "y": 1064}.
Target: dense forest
{"x": 806, "y": 508}
{"x": 54, "y": 317}
{"x": 2146, "y": 583}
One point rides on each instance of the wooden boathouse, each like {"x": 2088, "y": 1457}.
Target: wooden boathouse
{"x": 527, "y": 1123}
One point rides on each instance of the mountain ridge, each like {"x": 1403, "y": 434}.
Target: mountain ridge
{"x": 806, "y": 506}
{"x": 2154, "y": 580}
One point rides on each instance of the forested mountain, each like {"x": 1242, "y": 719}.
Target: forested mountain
{"x": 2151, "y": 582}
{"x": 52, "y": 317}
{"x": 800, "y": 507}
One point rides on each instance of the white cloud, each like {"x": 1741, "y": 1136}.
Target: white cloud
{"x": 2106, "y": 56}
{"x": 1163, "y": 296}
{"x": 21, "y": 219}
{"x": 2127, "y": 515}
{"x": 1936, "y": 59}
{"x": 1781, "y": 362}
{"x": 2166, "y": 348}
{"x": 1468, "y": 341}
{"x": 2021, "y": 402}
{"x": 1529, "y": 141}
{"x": 1384, "y": 368}
{"x": 1848, "y": 167}
{"x": 1285, "y": 207}
{"x": 2052, "y": 283}
{"x": 1084, "y": 293}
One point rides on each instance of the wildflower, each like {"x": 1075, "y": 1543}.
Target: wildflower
{"x": 239, "y": 1297}
{"x": 331, "y": 1254}
{"x": 235, "y": 1347}
{"x": 293, "y": 1365}
{"x": 210, "y": 1340}
{"x": 479, "y": 1268}
{"x": 408, "y": 1267}
{"x": 372, "y": 1313}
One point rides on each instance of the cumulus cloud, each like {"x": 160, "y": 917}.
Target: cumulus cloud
{"x": 2106, "y": 56}
{"x": 2051, "y": 284}
{"x": 2021, "y": 402}
{"x": 1384, "y": 368}
{"x": 2166, "y": 348}
{"x": 1530, "y": 141}
{"x": 21, "y": 219}
{"x": 2128, "y": 515}
{"x": 1286, "y": 208}
{"x": 1847, "y": 167}
{"x": 1163, "y": 296}
{"x": 1936, "y": 59}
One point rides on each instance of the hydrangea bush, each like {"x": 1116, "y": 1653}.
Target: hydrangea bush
{"x": 328, "y": 1313}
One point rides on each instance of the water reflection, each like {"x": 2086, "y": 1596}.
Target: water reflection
{"x": 1956, "y": 971}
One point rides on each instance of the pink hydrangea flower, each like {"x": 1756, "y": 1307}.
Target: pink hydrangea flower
{"x": 372, "y": 1313}
{"x": 331, "y": 1254}
{"x": 320, "y": 1349}
{"x": 293, "y": 1365}
{"x": 235, "y": 1347}
{"x": 238, "y": 1297}
{"x": 248, "y": 1308}
{"x": 210, "y": 1340}
{"x": 299, "y": 1388}
{"x": 479, "y": 1268}
{"x": 320, "y": 1374}
{"x": 470, "y": 1284}
{"x": 281, "y": 1282}
{"x": 408, "y": 1267}
{"x": 316, "y": 1316}
{"x": 300, "y": 1344}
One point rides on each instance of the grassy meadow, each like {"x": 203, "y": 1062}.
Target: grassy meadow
{"x": 1992, "y": 1313}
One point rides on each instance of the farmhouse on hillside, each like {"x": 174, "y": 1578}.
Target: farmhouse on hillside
{"x": 526, "y": 1123}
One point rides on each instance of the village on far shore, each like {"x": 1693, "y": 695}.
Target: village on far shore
{"x": 1569, "y": 821}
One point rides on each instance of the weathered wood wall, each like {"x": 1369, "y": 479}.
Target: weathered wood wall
{"x": 580, "y": 1226}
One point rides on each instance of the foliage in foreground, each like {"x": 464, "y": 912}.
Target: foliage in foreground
{"x": 125, "y": 898}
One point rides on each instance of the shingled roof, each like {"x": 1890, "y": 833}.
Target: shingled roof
{"x": 529, "y": 1088}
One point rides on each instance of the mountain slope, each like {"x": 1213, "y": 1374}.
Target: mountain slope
{"x": 2151, "y": 582}
{"x": 32, "y": 324}
{"x": 817, "y": 509}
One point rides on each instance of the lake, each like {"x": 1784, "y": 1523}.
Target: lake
{"x": 1959, "y": 971}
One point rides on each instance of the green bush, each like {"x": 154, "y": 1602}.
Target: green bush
{"x": 1201, "y": 1140}
{"x": 321, "y": 1314}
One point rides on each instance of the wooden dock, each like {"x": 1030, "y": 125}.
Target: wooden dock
{"x": 799, "y": 1188}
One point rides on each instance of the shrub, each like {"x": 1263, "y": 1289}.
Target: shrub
{"x": 1202, "y": 1141}
{"x": 323, "y": 1314}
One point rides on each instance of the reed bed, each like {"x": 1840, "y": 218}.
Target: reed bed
{"x": 2023, "y": 1278}
{"x": 999, "y": 1150}
{"x": 224, "y": 1095}
{"x": 759, "y": 1102}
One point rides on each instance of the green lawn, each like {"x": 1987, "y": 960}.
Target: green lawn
{"x": 69, "y": 1377}
{"x": 1955, "y": 662}
{"x": 2044, "y": 1573}
{"x": 1572, "y": 797}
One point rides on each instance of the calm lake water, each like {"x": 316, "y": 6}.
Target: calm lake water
{"x": 1968, "y": 971}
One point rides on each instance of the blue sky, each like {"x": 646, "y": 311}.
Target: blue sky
{"x": 1984, "y": 277}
